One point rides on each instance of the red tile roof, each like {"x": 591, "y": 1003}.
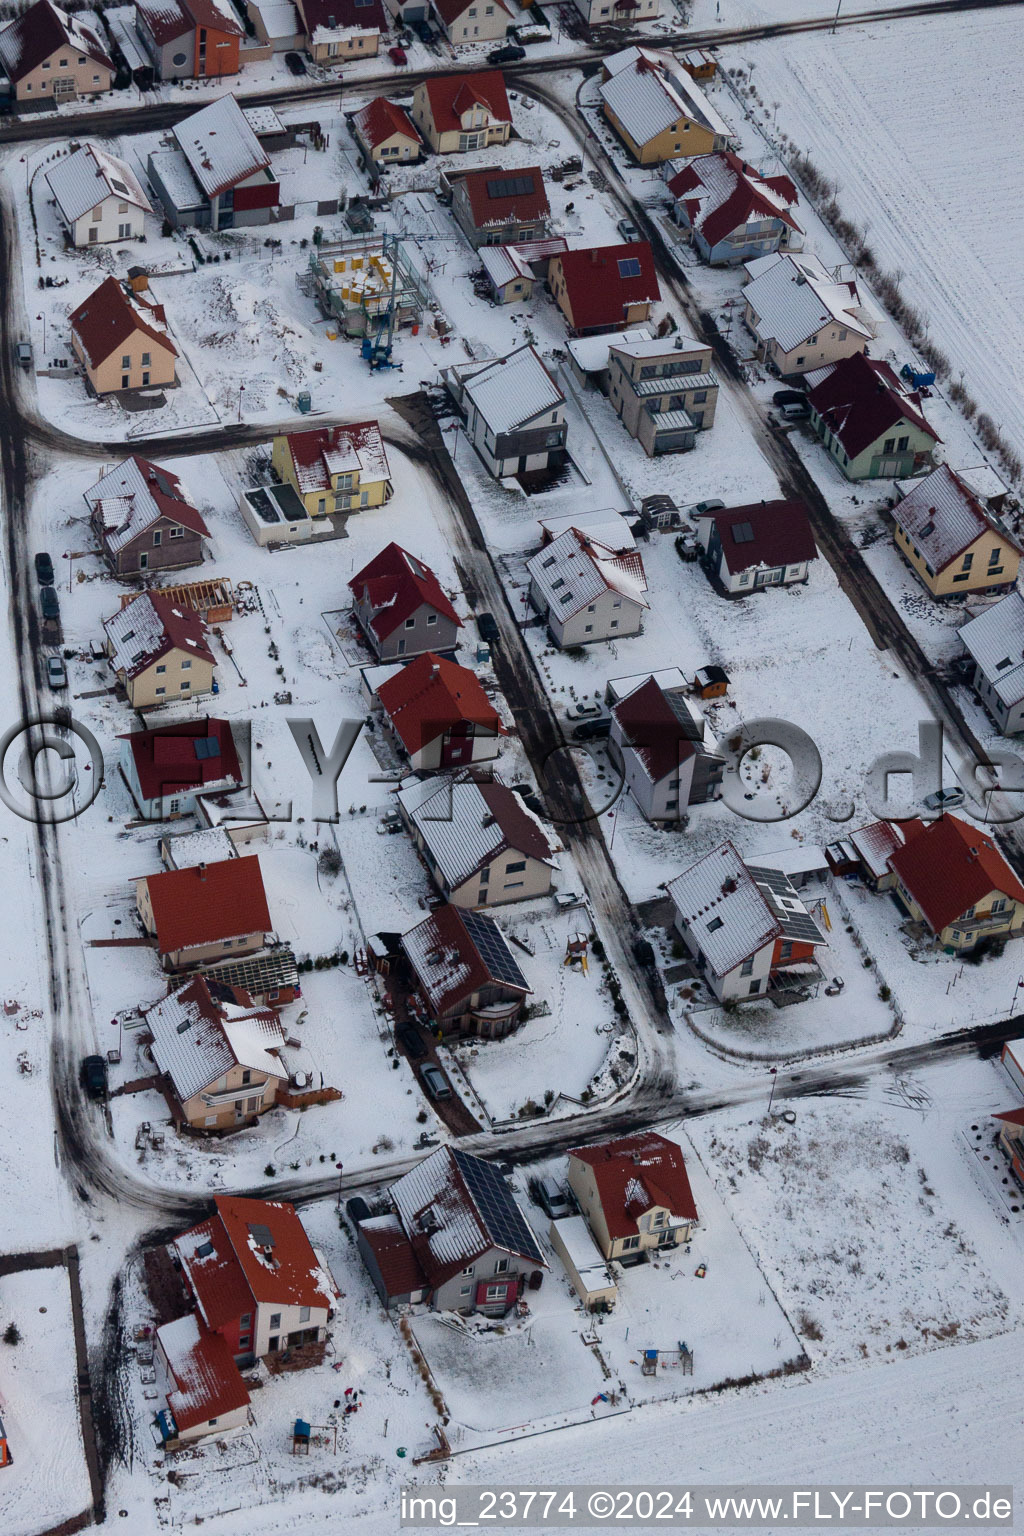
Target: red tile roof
{"x": 1011, "y": 1117}
{"x": 166, "y": 760}
{"x": 398, "y": 1265}
{"x": 746, "y": 200}
{"x": 395, "y": 584}
{"x": 951, "y": 866}
{"x": 451, "y": 95}
{"x": 334, "y": 14}
{"x": 208, "y": 903}
{"x": 165, "y": 490}
{"x": 169, "y": 19}
{"x": 31, "y": 37}
{"x": 149, "y": 626}
{"x": 108, "y": 318}
{"x": 861, "y": 399}
{"x": 634, "y": 1173}
{"x": 447, "y": 953}
{"x": 781, "y": 535}
{"x": 380, "y": 119}
{"x": 597, "y": 292}
{"x": 207, "y": 1383}
{"x": 229, "y": 1270}
{"x": 489, "y": 206}
{"x": 430, "y": 696}
{"x": 451, "y": 10}
{"x": 652, "y": 728}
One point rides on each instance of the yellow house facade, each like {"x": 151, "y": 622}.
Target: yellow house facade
{"x": 949, "y": 540}
{"x": 335, "y": 469}
{"x": 681, "y": 139}
{"x": 622, "y": 1188}
{"x": 121, "y": 341}
{"x": 177, "y": 675}
{"x": 989, "y": 564}
{"x": 995, "y": 915}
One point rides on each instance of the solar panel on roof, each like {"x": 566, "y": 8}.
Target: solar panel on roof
{"x": 207, "y": 747}
{"x": 499, "y": 1211}
{"x": 261, "y": 1235}
{"x": 742, "y": 533}
{"x": 510, "y": 186}
{"x": 629, "y": 266}
{"x": 495, "y": 953}
{"x": 204, "y": 1250}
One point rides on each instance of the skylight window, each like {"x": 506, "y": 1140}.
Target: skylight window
{"x": 629, "y": 266}
{"x": 715, "y": 924}
{"x": 742, "y": 533}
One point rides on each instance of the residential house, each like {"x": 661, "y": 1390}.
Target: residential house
{"x": 190, "y": 39}
{"x": 216, "y": 174}
{"x": 994, "y": 641}
{"x": 745, "y": 926}
{"x": 605, "y": 287}
{"x": 585, "y": 1265}
{"x": 1011, "y": 1139}
{"x": 335, "y": 469}
{"x": 339, "y": 30}
{"x": 512, "y": 270}
{"x": 202, "y": 915}
{"x": 50, "y": 56}
{"x": 256, "y": 1279}
{"x": 1012, "y": 1059}
{"x": 767, "y": 544}
{"x": 455, "y": 113}
{"x": 871, "y": 426}
{"x": 167, "y": 769}
{"x": 440, "y": 714}
{"x": 121, "y": 340}
{"x": 514, "y": 410}
{"x": 457, "y": 1239}
{"x": 669, "y": 757}
{"x": 144, "y": 521}
{"x": 99, "y": 198}
{"x": 952, "y": 878}
{"x": 158, "y": 651}
{"x": 587, "y": 592}
{"x": 277, "y": 25}
{"x": 478, "y": 840}
{"x": 618, "y": 13}
{"x": 604, "y": 525}
{"x": 950, "y": 541}
{"x": 202, "y": 1387}
{"x": 220, "y": 1065}
{"x": 658, "y": 111}
{"x": 873, "y": 847}
{"x": 269, "y": 979}
{"x": 802, "y": 316}
{"x": 588, "y": 355}
{"x": 466, "y": 974}
{"x": 478, "y": 21}
{"x": 401, "y": 607}
{"x": 385, "y": 133}
{"x": 500, "y": 207}
{"x": 635, "y": 1194}
{"x": 732, "y": 212}
{"x": 664, "y": 391}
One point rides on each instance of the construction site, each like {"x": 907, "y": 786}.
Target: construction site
{"x": 369, "y": 288}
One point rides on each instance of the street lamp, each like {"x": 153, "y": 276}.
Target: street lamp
{"x": 835, "y": 19}
{"x": 774, "y": 1071}
{"x": 241, "y": 391}
{"x": 43, "y": 319}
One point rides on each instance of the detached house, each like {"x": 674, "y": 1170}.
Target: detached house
{"x": 732, "y": 212}
{"x": 335, "y": 469}
{"x": 440, "y": 714}
{"x": 586, "y": 591}
{"x": 168, "y": 768}
{"x": 216, "y": 174}
{"x": 190, "y": 39}
{"x": 201, "y": 1385}
{"x": 872, "y": 427}
{"x": 208, "y": 913}
{"x": 455, "y": 113}
{"x": 478, "y": 840}
{"x": 635, "y": 1193}
{"x": 385, "y": 133}
{"x": 995, "y": 643}
{"x": 50, "y": 56}
{"x": 514, "y": 410}
{"x": 466, "y": 974}
{"x": 143, "y": 519}
{"x": 98, "y": 197}
{"x": 339, "y": 30}
{"x": 801, "y": 316}
{"x": 656, "y": 108}
{"x": 951, "y": 543}
{"x": 768, "y": 544}
{"x": 745, "y": 926}
{"x": 512, "y": 270}
{"x": 159, "y": 651}
{"x": 121, "y": 340}
{"x": 669, "y": 758}
{"x": 457, "y": 1239}
{"x": 664, "y": 390}
{"x": 497, "y": 207}
{"x": 606, "y": 287}
{"x": 952, "y": 878}
{"x": 401, "y": 608}
{"x": 478, "y": 21}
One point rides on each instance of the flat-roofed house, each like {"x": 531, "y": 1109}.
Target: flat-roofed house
{"x": 664, "y": 390}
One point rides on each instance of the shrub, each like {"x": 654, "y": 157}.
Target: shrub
{"x": 12, "y": 1334}
{"x": 329, "y": 862}
{"x": 269, "y": 1171}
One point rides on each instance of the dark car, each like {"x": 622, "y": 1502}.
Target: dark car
{"x": 789, "y": 397}
{"x": 44, "y": 569}
{"x": 94, "y": 1077}
{"x": 49, "y": 603}
{"x": 511, "y": 53}
{"x": 295, "y": 63}
{"x": 357, "y": 1210}
{"x": 487, "y": 628}
{"x": 411, "y": 1041}
{"x": 592, "y": 730}
{"x": 424, "y": 31}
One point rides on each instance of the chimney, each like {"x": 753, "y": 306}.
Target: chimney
{"x": 201, "y": 870}
{"x": 728, "y": 886}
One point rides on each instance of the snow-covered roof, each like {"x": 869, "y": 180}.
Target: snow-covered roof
{"x": 721, "y": 192}
{"x": 196, "y": 1040}
{"x": 83, "y": 179}
{"x": 647, "y": 95}
{"x": 135, "y": 495}
{"x": 573, "y": 570}
{"x": 206, "y": 1384}
{"x": 280, "y": 18}
{"x": 39, "y": 31}
{"x": 584, "y": 1254}
{"x": 220, "y": 147}
{"x": 605, "y": 526}
{"x": 355, "y": 447}
{"x": 590, "y": 353}
{"x": 175, "y": 176}
{"x": 995, "y": 639}
{"x": 464, "y": 824}
{"x": 943, "y": 518}
{"x": 206, "y": 846}
{"x": 456, "y": 952}
{"x": 265, "y": 119}
{"x": 667, "y": 678}
{"x": 509, "y": 391}
{"x": 732, "y": 910}
{"x": 147, "y": 627}
{"x": 793, "y": 296}
{"x": 658, "y": 346}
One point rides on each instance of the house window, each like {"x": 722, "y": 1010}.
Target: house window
{"x": 999, "y": 905}
{"x": 799, "y": 361}
{"x": 246, "y": 1077}
{"x": 245, "y": 1321}
{"x": 901, "y": 445}
{"x": 185, "y": 665}
{"x": 515, "y": 869}
{"x": 501, "y": 1267}
{"x": 843, "y": 335}
{"x": 275, "y": 1319}
{"x": 658, "y": 1219}
{"x": 158, "y": 538}
{"x": 495, "y": 1293}
{"x": 174, "y": 807}
{"x": 629, "y": 1243}
{"x": 889, "y": 445}
{"x": 968, "y": 561}
{"x": 176, "y": 533}
{"x": 995, "y": 557}
{"x": 146, "y": 360}
{"x": 159, "y": 691}
{"x": 747, "y": 968}
{"x": 431, "y": 618}
{"x": 410, "y": 623}
{"x": 469, "y": 1269}
{"x": 466, "y": 1290}
{"x": 303, "y": 1314}
{"x": 244, "y": 1341}
{"x": 786, "y": 950}
{"x": 715, "y": 924}
{"x": 671, "y": 805}
{"x": 161, "y": 668}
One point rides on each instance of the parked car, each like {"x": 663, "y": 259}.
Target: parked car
{"x": 552, "y": 1198}
{"x": 510, "y": 53}
{"x": 44, "y": 569}
{"x": 592, "y": 730}
{"x": 789, "y": 397}
{"x": 56, "y": 675}
{"x": 701, "y": 508}
{"x": 945, "y": 799}
{"x": 628, "y": 230}
{"x": 295, "y": 63}
{"x": 424, "y": 31}
{"x": 23, "y": 352}
{"x": 94, "y": 1077}
{"x": 398, "y": 55}
{"x": 49, "y": 603}
{"x": 529, "y": 799}
{"x": 584, "y": 709}
{"x": 487, "y": 628}
{"x": 411, "y": 1041}
{"x": 357, "y": 1210}
{"x": 795, "y": 410}
{"x": 566, "y": 900}
{"x": 435, "y": 1082}
{"x": 405, "y": 37}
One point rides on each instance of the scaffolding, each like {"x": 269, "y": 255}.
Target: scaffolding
{"x": 364, "y": 284}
